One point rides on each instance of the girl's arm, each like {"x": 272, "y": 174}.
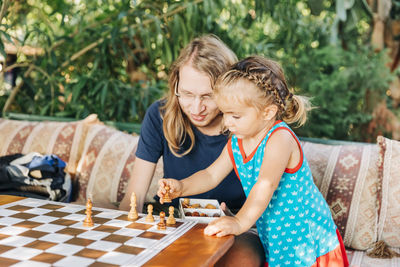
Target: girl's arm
{"x": 199, "y": 182}
{"x": 142, "y": 174}
{"x": 277, "y": 157}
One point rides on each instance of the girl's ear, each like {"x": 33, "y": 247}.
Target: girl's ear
{"x": 270, "y": 112}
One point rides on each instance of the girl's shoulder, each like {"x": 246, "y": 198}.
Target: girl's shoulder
{"x": 282, "y": 135}
{"x": 279, "y": 125}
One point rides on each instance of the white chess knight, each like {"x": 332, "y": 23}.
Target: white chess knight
{"x": 133, "y": 215}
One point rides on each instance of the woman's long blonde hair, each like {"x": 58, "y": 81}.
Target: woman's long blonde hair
{"x": 207, "y": 54}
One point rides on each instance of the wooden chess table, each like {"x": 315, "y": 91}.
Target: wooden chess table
{"x": 191, "y": 249}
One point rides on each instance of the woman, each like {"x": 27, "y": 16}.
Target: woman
{"x": 185, "y": 129}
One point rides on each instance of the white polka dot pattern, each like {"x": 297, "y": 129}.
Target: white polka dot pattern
{"x": 297, "y": 226}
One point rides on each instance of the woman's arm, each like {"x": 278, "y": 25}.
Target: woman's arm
{"x": 139, "y": 183}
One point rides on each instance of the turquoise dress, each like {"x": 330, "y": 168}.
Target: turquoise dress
{"x": 297, "y": 227}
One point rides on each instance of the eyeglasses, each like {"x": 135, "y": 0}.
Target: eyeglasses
{"x": 189, "y": 98}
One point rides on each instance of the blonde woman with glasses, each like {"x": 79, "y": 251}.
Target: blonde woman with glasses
{"x": 185, "y": 128}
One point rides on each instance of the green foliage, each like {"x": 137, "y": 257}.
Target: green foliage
{"x": 341, "y": 84}
{"x": 395, "y": 10}
{"x": 96, "y": 50}
{"x": 112, "y": 57}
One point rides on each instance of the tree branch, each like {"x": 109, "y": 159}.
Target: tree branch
{"x": 16, "y": 89}
{"x": 125, "y": 29}
{"x": 16, "y": 65}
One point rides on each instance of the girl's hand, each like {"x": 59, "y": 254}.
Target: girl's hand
{"x": 175, "y": 188}
{"x": 223, "y": 226}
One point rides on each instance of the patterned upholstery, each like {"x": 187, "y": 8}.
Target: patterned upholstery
{"x": 389, "y": 216}
{"x": 60, "y": 138}
{"x": 106, "y": 164}
{"x": 348, "y": 178}
{"x": 352, "y": 177}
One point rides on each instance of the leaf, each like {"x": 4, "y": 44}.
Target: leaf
{"x": 122, "y": 14}
{"x": 167, "y": 50}
{"x": 7, "y": 36}
{"x": 348, "y": 4}
{"x": 2, "y": 51}
{"x": 76, "y": 91}
{"x": 341, "y": 10}
{"x": 206, "y": 5}
{"x": 104, "y": 95}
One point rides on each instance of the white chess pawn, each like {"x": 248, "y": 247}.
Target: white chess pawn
{"x": 171, "y": 220}
{"x": 149, "y": 217}
{"x": 133, "y": 215}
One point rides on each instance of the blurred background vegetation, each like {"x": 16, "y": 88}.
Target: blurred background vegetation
{"x": 71, "y": 58}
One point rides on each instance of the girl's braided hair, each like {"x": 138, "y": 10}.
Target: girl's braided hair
{"x": 269, "y": 78}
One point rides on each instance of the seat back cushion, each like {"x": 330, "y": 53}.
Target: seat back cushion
{"x": 389, "y": 215}
{"x": 348, "y": 178}
{"x": 106, "y": 165}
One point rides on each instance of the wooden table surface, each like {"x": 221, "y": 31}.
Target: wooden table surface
{"x": 192, "y": 249}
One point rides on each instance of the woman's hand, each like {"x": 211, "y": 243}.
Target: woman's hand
{"x": 175, "y": 188}
{"x": 223, "y": 226}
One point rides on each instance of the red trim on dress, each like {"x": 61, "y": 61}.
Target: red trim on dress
{"x": 230, "y": 152}
{"x": 240, "y": 144}
{"x": 343, "y": 249}
{"x": 295, "y": 169}
{"x": 334, "y": 258}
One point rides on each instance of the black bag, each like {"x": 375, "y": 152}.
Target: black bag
{"x": 35, "y": 175}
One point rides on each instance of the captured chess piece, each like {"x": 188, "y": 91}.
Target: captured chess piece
{"x": 171, "y": 220}
{"x": 133, "y": 215}
{"x": 161, "y": 225}
{"x": 167, "y": 197}
{"x": 186, "y": 203}
{"x": 88, "y": 222}
{"x": 149, "y": 217}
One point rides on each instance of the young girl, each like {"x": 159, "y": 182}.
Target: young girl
{"x": 293, "y": 220}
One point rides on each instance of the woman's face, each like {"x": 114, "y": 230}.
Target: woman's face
{"x": 195, "y": 96}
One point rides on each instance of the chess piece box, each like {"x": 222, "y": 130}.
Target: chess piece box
{"x": 199, "y": 211}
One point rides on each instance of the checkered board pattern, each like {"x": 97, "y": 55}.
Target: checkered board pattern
{"x": 37, "y": 232}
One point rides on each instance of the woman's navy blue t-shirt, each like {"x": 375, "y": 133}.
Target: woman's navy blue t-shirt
{"x": 152, "y": 145}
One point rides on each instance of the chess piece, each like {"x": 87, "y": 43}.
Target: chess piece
{"x": 167, "y": 197}
{"x": 171, "y": 220}
{"x": 161, "y": 225}
{"x": 133, "y": 215}
{"x": 185, "y": 203}
{"x": 149, "y": 217}
{"x": 88, "y": 222}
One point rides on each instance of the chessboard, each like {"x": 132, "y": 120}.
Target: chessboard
{"x": 36, "y": 232}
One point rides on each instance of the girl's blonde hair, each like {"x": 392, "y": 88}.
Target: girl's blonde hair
{"x": 207, "y": 54}
{"x": 268, "y": 77}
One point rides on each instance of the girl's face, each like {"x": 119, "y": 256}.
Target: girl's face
{"x": 241, "y": 117}
{"x": 195, "y": 97}
{"x": 242, "y": 120}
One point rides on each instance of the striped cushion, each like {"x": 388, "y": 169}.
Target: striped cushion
{"x": 106, "y": 165}
{"x": 389, "y": 215}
